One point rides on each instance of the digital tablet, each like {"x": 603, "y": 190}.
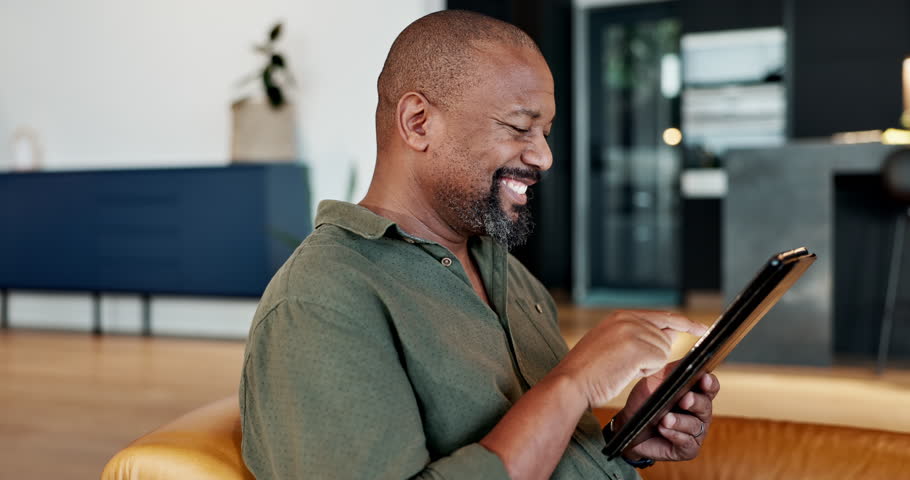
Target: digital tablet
{"x": 771, "y": 282}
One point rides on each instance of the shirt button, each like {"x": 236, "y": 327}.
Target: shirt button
{"x": 446, "y": 261}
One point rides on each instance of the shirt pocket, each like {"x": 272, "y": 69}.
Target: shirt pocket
{"x": 538, "y": 344}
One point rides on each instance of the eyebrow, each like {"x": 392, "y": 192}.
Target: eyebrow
{"x": 526, "y": 112}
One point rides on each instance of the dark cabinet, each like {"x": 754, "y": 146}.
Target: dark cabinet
{"x": 196, "y": 231}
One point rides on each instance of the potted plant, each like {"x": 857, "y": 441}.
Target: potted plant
{"x": 264, "y": 128}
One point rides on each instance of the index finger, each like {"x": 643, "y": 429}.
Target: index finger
{"x": 672, "y": 321}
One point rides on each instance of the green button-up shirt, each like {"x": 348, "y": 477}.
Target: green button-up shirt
{"x": 371, "y": 356}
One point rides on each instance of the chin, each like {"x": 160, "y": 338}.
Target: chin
{"x": 511, "y": 211}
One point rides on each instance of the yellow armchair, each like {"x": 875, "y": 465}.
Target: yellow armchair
{"x": 205, "y": 444}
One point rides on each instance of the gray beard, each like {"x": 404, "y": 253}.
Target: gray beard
{"x": 497, "y": 224}
{"x": 485, "y": 216}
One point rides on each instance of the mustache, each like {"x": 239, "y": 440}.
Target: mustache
{"x": 525, "y": 173}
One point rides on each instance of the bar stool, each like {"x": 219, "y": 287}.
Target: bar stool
{"x": 896, "y": 178}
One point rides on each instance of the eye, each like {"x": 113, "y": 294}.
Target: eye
{"x": 520, "y": 130}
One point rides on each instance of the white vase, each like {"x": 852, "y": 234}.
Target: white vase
{"x": 263, "y": 134}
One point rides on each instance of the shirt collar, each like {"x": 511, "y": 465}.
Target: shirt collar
{"x": 353, "y": 218}
{"x": 369, "y": 225}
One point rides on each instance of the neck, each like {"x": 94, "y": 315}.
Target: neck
{"x": 396, "y": 197}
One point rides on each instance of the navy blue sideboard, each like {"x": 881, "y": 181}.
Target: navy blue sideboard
{"x": 220, "y": 231}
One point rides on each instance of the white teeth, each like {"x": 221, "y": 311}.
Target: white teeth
{"x": 516, "y": 187}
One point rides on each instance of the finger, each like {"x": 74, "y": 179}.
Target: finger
{"x": 663, "y": 372}
{"x": 684, "y": 423}
{"x": 686, "y": 446}
{"x": 710, "y": 386}
{"x": 698, "y": 404}
{"x": 657, "y": 338}
{"x": 672, "y": 321}
{"x": 681, "y": 441}
{"x": 649, "y": 331}
{"x": 656, "y": 447}
{"x": 672, "y": 365}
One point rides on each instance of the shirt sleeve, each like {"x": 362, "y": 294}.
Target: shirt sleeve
{"x": 325, "y": 395}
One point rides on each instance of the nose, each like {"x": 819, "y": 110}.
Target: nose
{"x": 538, "y": 154}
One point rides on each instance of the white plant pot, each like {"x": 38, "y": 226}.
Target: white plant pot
{"x": 263, "y": 134}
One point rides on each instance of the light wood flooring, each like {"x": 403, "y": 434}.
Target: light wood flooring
{"x": 69, "y": 401}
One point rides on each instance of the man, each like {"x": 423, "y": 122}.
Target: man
{"x": 401, "y": 340}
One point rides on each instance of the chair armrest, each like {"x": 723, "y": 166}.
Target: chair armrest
{"x": 203, "y": 444}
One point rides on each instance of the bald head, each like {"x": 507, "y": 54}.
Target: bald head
{"x": 437, "y": 56}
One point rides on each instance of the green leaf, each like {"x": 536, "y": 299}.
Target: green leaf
{"x": 352, "y": 183}
{"x": 276, "y": 98}
{"x": 272, "y": 91}
{"x": 275, "y": 33}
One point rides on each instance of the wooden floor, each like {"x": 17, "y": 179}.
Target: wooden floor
{"x": 69, "y": 401}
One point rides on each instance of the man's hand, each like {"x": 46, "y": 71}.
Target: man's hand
{"x": 623, "y": 347}
{"x": 680, "y": 434}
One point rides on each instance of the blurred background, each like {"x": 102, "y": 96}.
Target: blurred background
{"x": 160, "y": 160}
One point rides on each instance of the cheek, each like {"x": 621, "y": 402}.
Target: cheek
{"x": 506, "y": 152}
{"x": 494, "y": 156}
{"x": 472, "y": 161}
{"x": 455, "y": 169}
{"x": 493, "y": 146}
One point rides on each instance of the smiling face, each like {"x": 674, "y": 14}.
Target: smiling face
{"x": 495, "y": 146}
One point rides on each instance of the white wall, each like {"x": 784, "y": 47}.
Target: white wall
{"x": 129, "y": 83}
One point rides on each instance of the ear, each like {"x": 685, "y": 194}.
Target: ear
{"x": 414, "y": 118}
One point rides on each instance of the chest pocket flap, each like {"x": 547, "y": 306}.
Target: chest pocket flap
{"x": 538, "y": 344}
